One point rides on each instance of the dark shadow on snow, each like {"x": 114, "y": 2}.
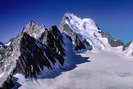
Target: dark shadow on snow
{"x": 72, "y": 60}
{"x": 73, "y": 63}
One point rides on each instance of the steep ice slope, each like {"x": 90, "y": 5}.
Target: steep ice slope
{"x": 106, "y": 70}
{"x": 86, "y": 30}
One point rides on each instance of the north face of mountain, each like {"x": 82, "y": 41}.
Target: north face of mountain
{"x": 29, "y": 53}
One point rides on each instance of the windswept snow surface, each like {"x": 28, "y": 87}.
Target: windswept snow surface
{"x": 106, "y": 70}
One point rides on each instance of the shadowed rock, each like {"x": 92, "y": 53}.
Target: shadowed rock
{"x": 31, "y": 51}
{"x": 54, "y": 40}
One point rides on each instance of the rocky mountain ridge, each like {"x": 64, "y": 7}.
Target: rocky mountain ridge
{"x": 38, "y": 47}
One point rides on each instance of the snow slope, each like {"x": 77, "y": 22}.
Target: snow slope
{"x": 129, "y": 50}
{"x": 106, "y": 70}
{"x": 86, "y": 28}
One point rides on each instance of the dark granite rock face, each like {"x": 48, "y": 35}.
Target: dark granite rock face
{"x": 32, "y": 50}
{"x": 78, "y": 43}
{"x": 32, "y": 59}
{"x": 54, "y": 40}
{"x": 8, "y": 84}
{"x": 37, "y": 53}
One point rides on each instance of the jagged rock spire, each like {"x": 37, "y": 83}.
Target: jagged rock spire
{"x": 35, "y": 53}
{"x": 54, "y": 40}
{"x": 32, "y": 59}
{"x": 28, "y": 53}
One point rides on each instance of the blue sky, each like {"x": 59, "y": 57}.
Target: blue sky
{"x": 113, "y": 16}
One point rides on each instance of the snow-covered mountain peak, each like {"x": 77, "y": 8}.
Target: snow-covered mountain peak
{"x": 70, "y": 16}
{"x": 33, "y": 29}
{"x": 82, "y": 24}
{"x": 86, "y": 29}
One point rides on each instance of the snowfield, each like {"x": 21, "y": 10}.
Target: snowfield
{"x": 106, "y": 70}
